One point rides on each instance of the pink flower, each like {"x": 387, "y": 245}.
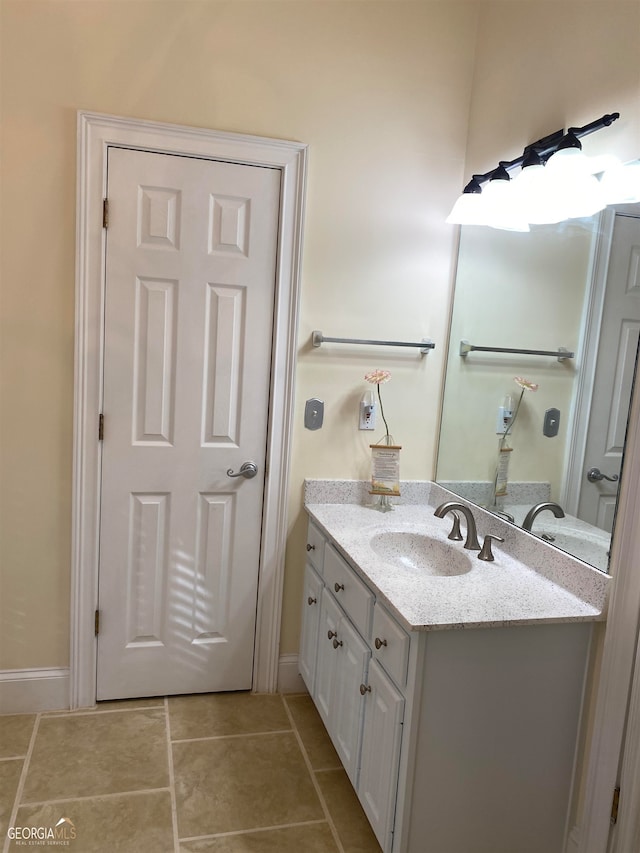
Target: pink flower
{"x": 525, "y": 384}
{"x": 378, "y": 377}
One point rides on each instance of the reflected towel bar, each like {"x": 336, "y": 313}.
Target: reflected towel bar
{"x": 561, "y": 353}
{"x": 317, "y": 339}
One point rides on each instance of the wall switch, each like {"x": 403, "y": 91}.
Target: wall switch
{"x": 313, "y": 413}
{"x": 551, "y": 423}
{"x": 367, "y": 415}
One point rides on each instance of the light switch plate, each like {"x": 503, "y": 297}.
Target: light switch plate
{"x": 313, "y": 413}
{"x": 551, "y": 423}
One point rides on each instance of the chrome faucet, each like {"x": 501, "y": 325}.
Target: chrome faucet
{"x": 530, "y": 517}
{"x": 472, "y": 534}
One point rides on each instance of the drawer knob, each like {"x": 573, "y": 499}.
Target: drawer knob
{"x": 336, "y": 643}
{"x": 379, "y": 643}
{"x": 364, "y": 689}
{"x": 338, "y": 586}
{"x": 310, "y": 547}
{"x": 331, "y": 634}
{"x": 311, "y": 601}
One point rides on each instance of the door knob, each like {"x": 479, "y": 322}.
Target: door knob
{"x": 247, "y": 470}
{"x": 594, "y": 475}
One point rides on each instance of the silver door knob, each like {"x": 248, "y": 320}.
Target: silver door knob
{"x": 594, "y": 475}
{"x": 247, "y": 470}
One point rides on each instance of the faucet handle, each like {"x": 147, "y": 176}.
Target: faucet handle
{"x": 455, "y": 534}
{"x": 485, "y": 552}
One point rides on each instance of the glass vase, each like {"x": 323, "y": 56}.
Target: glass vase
{"x": 383, "y": 502}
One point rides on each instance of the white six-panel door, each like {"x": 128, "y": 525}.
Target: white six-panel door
{"x": 614, "y": 374}
{"x": 190, "y": 272}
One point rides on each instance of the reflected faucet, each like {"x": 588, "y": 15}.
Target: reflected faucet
{"x": 501, "y": 513}
{"x": 530, "y": 517}
{"x": 471, "y": 543}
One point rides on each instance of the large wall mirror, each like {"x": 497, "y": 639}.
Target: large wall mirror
{"x": 573, "y": 286}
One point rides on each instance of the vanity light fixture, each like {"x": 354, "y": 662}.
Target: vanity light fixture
{"x": 556, "y": 181}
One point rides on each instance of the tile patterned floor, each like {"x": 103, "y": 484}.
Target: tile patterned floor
{"x": 216, "y": 773}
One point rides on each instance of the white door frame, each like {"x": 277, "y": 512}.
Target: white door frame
{"x": 616, "y": 695}
{"x": 96, "y": 132}
{"x": 585, "y": 363}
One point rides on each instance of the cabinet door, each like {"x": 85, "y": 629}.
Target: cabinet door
{"x": 380, "y": 757}
{"x": 345, "y": 720}
{"x": 310, "y": 622}
{"x": 327, "y": 658}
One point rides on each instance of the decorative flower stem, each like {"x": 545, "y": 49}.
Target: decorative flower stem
{"x": 379, "y": 377}
{"x": 382, "y": 413}
{"x": 512, "y": 420}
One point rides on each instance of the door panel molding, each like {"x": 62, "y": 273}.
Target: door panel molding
{"x": 96, "y": 133}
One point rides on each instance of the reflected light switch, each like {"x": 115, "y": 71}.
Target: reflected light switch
{"x": 313, "y": 413}
{"x": 551, "y": 423}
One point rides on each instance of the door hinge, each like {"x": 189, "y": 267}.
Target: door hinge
{"x": 96, "y": 623}
{"x": 615, "y": 805}
{"x": 100, "y": 427}
{"x": 105, "y": 212}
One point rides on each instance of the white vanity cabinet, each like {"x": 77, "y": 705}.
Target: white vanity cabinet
{"x": 310, "y": 621}
{"x": 311, "y": 605}
{"x": 380, "y": 752}
{"x": 343, "y": 657}
{"x": 359, "y": 704}
{"x": 456, "y": 741}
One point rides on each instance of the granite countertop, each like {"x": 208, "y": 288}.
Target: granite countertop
{"x": 529, "y": 582}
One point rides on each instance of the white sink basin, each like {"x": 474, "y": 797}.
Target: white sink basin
{"x": 591, "y": 549}
{"x": 420, "y": 553}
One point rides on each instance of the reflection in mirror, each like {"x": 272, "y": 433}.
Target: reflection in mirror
{"x": 573, "y": 286}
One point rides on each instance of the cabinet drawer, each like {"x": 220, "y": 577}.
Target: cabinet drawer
{"x": 315, "y": 547}
{"x": 390, "y": 644}
{"x": 350, "y": 592}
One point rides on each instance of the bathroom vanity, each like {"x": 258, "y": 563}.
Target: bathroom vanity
{"x": 451, "y": 688}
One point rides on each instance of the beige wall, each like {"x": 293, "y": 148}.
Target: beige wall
{"x": 379, "y": 91}
{"x": 387, "y": 94}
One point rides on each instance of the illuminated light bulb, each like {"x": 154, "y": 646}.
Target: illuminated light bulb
{"x": 501, "y": 208}
{"x": 467, "y": 210}
{"x": 538, "y": 201}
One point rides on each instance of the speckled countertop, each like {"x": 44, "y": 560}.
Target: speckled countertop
{"x": 529, "y": 581}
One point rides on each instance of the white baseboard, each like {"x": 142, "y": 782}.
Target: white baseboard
{"x": 27, "y": 691}
{"x": 289, "y": 679}
{"x": 572, "y": 841}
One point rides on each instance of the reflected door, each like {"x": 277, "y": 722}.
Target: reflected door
{"x": 189, "y": 295}
{"x": 616, "y": 361}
